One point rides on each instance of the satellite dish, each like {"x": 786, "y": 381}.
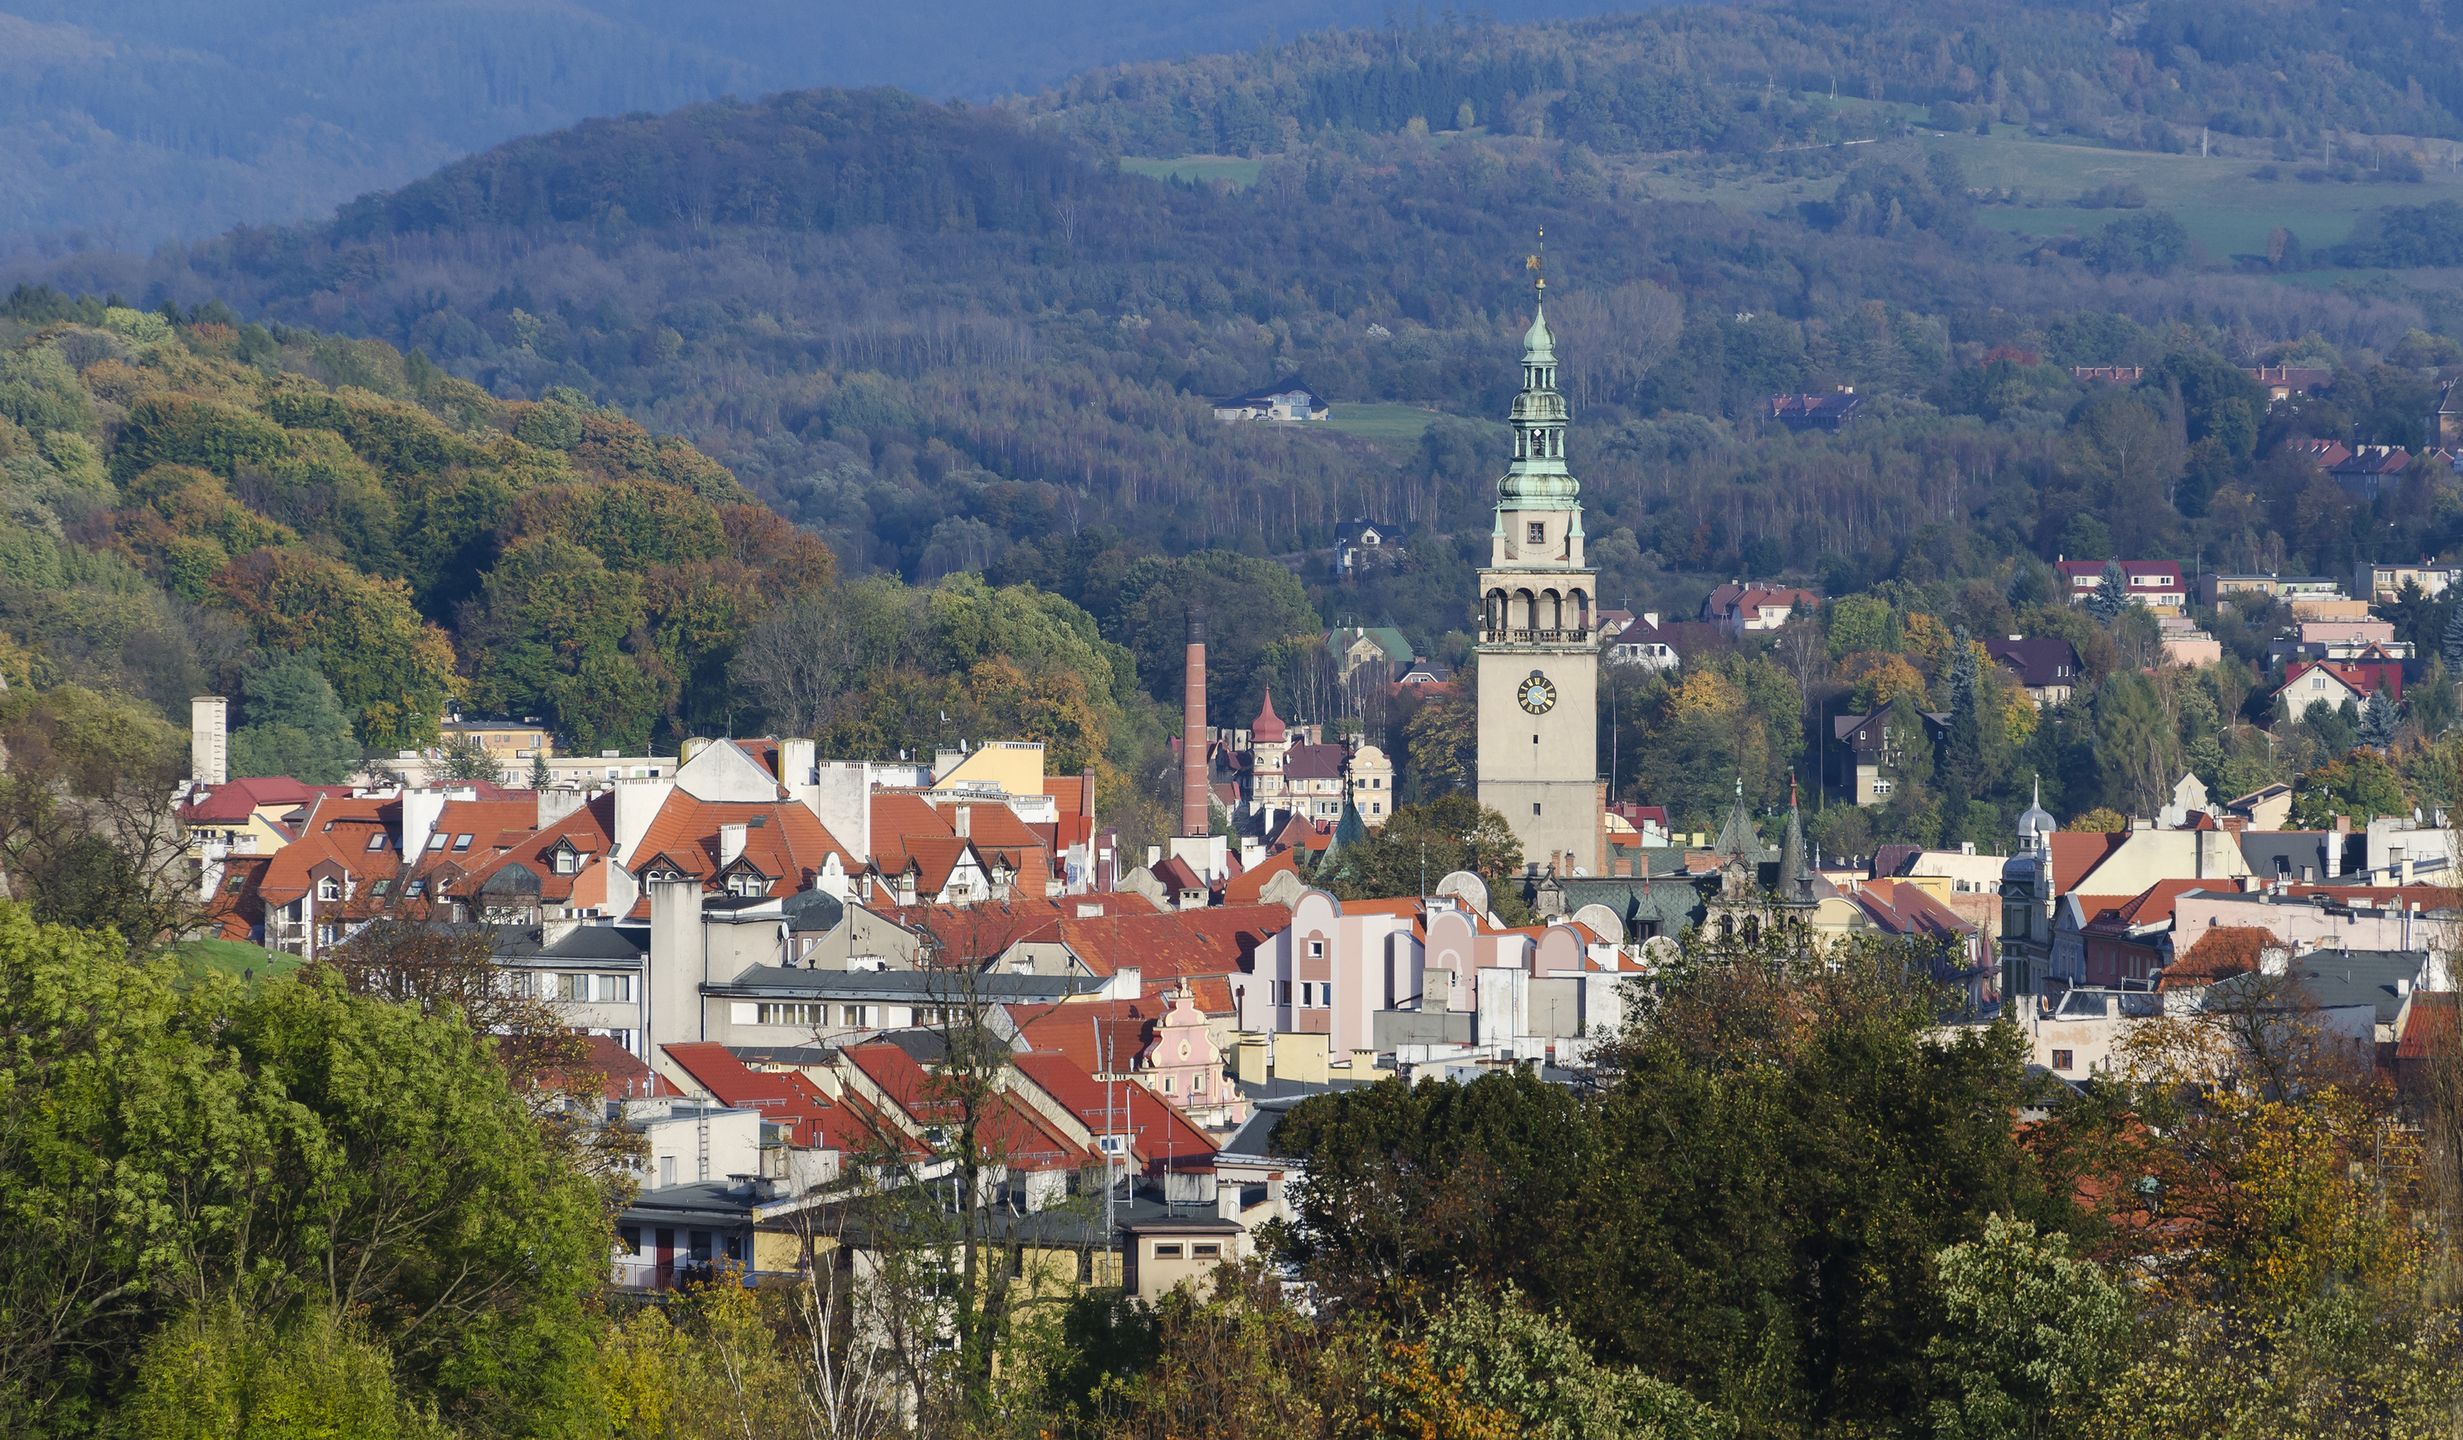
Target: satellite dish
{"x": 1657, "y": 951}
{"x": 1602, "y": 922}
{"x": 1470, "y": 889}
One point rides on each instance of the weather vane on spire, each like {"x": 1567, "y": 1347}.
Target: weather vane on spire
{"x": 1537, "y": 261}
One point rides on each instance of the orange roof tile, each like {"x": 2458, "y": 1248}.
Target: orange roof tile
{"x": 1158, "y": 1133}
{"x": 782, "y": 839}
{"x": 1245, "y": 887}
{"x": 1215, "y": 940}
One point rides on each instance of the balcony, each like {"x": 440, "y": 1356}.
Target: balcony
{"x": 1535, "y": 637}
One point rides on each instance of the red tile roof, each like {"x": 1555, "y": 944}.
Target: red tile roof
{"x": 2429, "y": 1026}
{"x": 2363, "y": 676}
{"x": 1086, "y": 1030}
{"x": 1216, "y": 940}
{"x": 1159, "y": 1134}
{"x": 1268, "y": 727}
{"x": 812, "y": 1119}
{"x": 1245, "y": 887}
{"x": 1006, "y": 1128}
{"x": 2076, "y": 853}
{"x": 236, "y": 800}
{"x": 787, "y": 842}
{"x": 978, "y": 932}
{"x": 587, "y": 831}
{"x": 336, "y": 835}
{"x": 2222, "y": 952}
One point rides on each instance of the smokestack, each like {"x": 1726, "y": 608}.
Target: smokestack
{"x": 1193, "y": 731}
{"x": 209, "y": 740}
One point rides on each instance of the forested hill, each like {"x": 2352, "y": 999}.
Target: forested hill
{"x": 346, "y": 540}
{"x": 980, "y": 339}
{"x": 1739, "y": 79}
{"x": 126, "y": 122}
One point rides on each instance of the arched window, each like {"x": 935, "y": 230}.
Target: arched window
{"x": 1553, "y": 611}
{"x": 1753, "y": 928}
{"x": 1727, "y": 927}
{"x": 1526, "y": 611}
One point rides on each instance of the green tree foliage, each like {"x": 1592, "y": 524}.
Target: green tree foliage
{"x": 1441, "y": 752}
{"x": 1662, "y": 1219}
{"x": 1422, "y": 843}
{"x": 293, "y": 725}
{"x": 287, "y": 1150}
{"x": 226, "y": 1374}
{"x": 2111, "y": 595}
{"x": 2360, "y": 787}
{"x": 2031, "y": 1336}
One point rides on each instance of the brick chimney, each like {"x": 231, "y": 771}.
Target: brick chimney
{"x": 1193, "y": 731}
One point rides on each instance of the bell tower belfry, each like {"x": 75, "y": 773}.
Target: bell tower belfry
{"x": 1538, "y": 633}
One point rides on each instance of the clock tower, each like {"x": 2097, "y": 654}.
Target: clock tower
{"x": 1538, "y": 636}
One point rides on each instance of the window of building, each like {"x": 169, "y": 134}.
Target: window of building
{"x": 329, "y": 889}
{"x": 377, "y": 841}
{"x": 437, "y": 841}
{"x": 1167, "y": 1250}
{"x": 2064, "y": 1059}
{"x": 1206, "y": 1250}
{"x": 461, "y": 842}
{"x": 1167, "y": 1085}
{"x": 1881, "y": 787}
{"x": 566, "y": 862}
{"x": 1535, "y": 807}
{"x": 1538, "y": 533}
{"x": 667, "y": 1170}
{"x": 1316, "y": 949}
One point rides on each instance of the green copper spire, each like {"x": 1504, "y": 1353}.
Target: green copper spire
{"x": 1538, "y": 479}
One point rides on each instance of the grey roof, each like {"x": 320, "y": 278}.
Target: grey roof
{"x": 1671, "y": 904}
{"x": 2380, "y": 978}
{"x": 599, "y": 942}
{"x": 2300, "y": 850}
{"x": 919, "y": 987}
{"x": 814, "y": 912}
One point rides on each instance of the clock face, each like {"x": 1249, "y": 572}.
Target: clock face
{"x": 1537, "y": 694}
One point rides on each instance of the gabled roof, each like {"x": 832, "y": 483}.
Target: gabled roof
{"x": 1751, "y": 597}
{"x": 587, "y": 832}
{"x": 1245, "y": 887}
{"x": 1176, "y": 877}
{"x": 1158, "y": 1132}
{"x": 2076, "y": 853}
{"x": 782, "y": 839}
{"x": 2037, "y": 661}
{"x": 812, "y": 1119}
{"x": 1905, "y": 908}
{"x": 2359, "y": 677}
{"x": 336, "y": 835}
{"x": 976, "y": 933}
{"x": 1006, "y": 1129}
{"x": 2429, "y": 1027}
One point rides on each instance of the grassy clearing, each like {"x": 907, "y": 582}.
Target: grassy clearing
{"x": 2219, "y": 199}
{"x": 1237, "y": 171}
{"x": 1380, "y": 420}
{"x": 233, "y": 957}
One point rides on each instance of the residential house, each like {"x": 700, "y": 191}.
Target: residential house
{"x": 2382, "y": 584}
{"x": 2323, "y": 453}
{"x": 1289, "y": 398}
{"x": 1637, "y": 640}
{"x": 2046, "y": 667}
{"x": 2347, "y": 640}
{"x": 2223, "y": 587}
{"x": 1355, "y": 647}
{"x": 1744, "y": 607}
{"x": 2332, "y": 682}
{"x": 1871, "y": 754}
{"x": 2186, "y": 643}
{"x": 2370, "y": 469}
{"x": 2108, "y": 374}
{"x": 2445, "y": 427}
{"x": 508, "y": 742}
{"x": 1814, "y": 412}
{"x": 2284, "y": 382}
{"x": 2156, "y": 584}
{"x": 1362, "y": 544}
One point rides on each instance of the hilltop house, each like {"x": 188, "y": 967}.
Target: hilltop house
{"x": 1743, "y": 606}
{"x": 1814, "y": 412}
{"x": 1363, "y": 544}
{"x": 2046, "y": 667}
{"x": 2156, "y": 584}
{"x": 1289, "y": 398}
{"x": 1873, "y": 754}
{"x": 2446, "y": 417}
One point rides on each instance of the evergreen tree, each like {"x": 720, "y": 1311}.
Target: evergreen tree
{"x": 1962, "y": 761}
{"x": 296, "y": 726}
{"x": 2111, "y": 595}
{"x": 2450, "y": 645}
{"x": 2378, "y": 720}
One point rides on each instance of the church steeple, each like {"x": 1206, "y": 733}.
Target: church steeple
{"x": 1538, "y": 479}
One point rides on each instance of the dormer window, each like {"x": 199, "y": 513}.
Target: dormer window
{"x": 566, "y": 861}
{"x": 329, "y": 889}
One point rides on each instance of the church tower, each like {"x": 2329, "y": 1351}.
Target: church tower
{"x": 1538, "y": 637}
